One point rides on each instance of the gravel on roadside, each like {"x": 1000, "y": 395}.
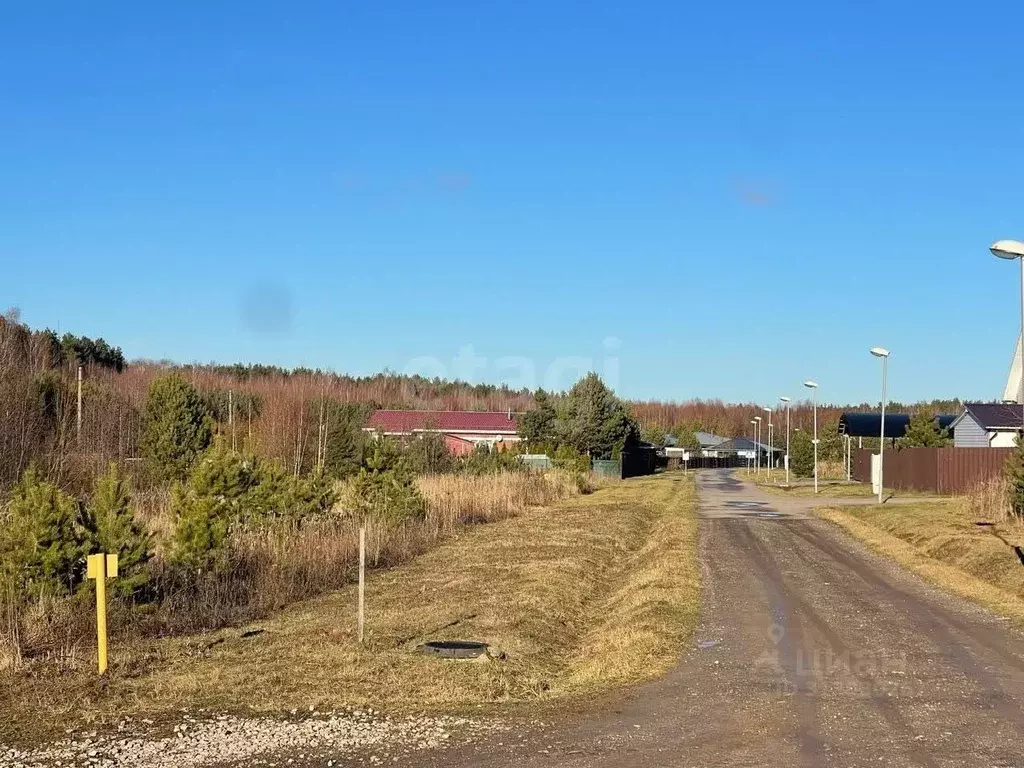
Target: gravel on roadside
{"x": 309, "y": 738}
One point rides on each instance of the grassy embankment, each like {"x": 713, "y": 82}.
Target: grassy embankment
{"x": 941, "y": 540}
{"x": 832, "y": 483}
{"x": 583, "y": 594}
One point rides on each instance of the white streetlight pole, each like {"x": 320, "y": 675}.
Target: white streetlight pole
{"x": 883, "y": 353}
{"x": 771, "y": 450}
{"x": 786, "y": 401}
{"x": 813, "y": 386}
{"x": 753, "y": 431}
{"x": 1014, "y": 249}
{"x": 757, "y": 446}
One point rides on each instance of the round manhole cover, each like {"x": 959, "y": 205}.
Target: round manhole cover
{"x": 454, "y": 649}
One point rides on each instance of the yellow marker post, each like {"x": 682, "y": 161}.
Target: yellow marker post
{"x": 101, "y": 567}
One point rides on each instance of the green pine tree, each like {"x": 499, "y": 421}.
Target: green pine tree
{"x": 654, "y": 434}
{"x": 386, "y": 487}
{"x": 537, "y": 425}
{"x": 115, "y": 530}
{"x": 923, "y": 431}
{"x": 801, "y": 454}
{"x": 207, "y": 505}
{"x": 1014, "y": 473}
{"x": 594, "y": 421}
{"x": 176, "y": 428}
{"x": 686, "y": 437}
{"x": 42, "y": 540}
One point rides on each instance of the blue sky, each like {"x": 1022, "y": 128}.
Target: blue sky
{"x": 704, "y": 200}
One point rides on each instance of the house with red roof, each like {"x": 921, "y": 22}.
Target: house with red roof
{"x": 463, "y": 430}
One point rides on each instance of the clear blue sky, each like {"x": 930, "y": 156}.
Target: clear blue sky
{"x": 741, "y": 195}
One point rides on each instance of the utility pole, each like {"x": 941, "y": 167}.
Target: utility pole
{"x": 78, "y": 431}
{"x": 231, "y": 416}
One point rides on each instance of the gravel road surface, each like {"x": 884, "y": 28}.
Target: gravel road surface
{"x": 812, "y": 651}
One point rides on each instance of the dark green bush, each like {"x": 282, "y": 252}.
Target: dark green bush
{"x": 485, "y": 460}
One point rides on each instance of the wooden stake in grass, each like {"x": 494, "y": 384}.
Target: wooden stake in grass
{"x": 362, "y": 579}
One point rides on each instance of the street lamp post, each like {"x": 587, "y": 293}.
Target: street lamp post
{"x": 813, "y": 386}
{"x": 786, "y": 401}
{"x": 757, "y": 444}
{"x": 771, "y": 450}
{"x": 1014, "y": 249}
{"x": 753, "y": 432}
{"x": 883, "y": 353}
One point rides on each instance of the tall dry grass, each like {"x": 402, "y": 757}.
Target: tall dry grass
{"x": 989, "y": 501}
{"x": 271, "y": 567}
{"x": 457, "y": 498}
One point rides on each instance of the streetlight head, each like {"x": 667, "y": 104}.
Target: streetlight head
{"x": 753, "y": 421}
{"x": 1007, "y": 249}
{"x": 757, "y": 418}
{"x": 811, "y": 384}
{"x": 879, "y": 351}
{"x": 785, "y": 399}
{"x": 766, "y": 409}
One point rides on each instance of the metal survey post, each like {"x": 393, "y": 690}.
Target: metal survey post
{"x": 101, "y": 567}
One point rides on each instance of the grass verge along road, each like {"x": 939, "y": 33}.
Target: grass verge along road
{"x": 941, "y": 541}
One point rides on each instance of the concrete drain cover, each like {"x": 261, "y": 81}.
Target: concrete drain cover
{"x": 454, "y": 649}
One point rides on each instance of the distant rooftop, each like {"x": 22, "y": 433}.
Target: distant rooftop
{"x": 405, "y": 422}
{"x": 708, "y": 440}
{"x": 994, "y": 416}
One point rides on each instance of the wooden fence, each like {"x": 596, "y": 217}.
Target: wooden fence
{"x": 939, "y": 470}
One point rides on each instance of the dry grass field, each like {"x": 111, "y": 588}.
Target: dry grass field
{"x": 580, "y": 594}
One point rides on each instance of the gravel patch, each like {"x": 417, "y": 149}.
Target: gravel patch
{"x": 311, "y": 738}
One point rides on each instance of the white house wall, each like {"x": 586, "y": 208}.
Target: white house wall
{"x": 1002, "y": 439}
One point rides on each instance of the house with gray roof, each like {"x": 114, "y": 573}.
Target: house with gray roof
{"x": 988, "y": 425}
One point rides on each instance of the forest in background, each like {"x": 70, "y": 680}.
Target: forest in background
{"x": 280, "y": 414}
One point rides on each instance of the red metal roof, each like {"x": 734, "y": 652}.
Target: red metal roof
{"x": 496, "y": 422}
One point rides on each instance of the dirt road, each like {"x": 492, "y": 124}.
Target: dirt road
{"x": 811, "y": 652}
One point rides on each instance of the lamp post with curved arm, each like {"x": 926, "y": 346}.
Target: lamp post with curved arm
{"x": 813, "y": 386}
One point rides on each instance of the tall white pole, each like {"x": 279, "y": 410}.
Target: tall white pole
{"x": 759, "y": 422}
{"x": 1020, "y": 396}
{"x": 814, "y": 400}
{"x": 787, "y": 442}
{"x": 771, "y": 447}
{"x": 881, "y": 434}
{"x": 750, "y": 459}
